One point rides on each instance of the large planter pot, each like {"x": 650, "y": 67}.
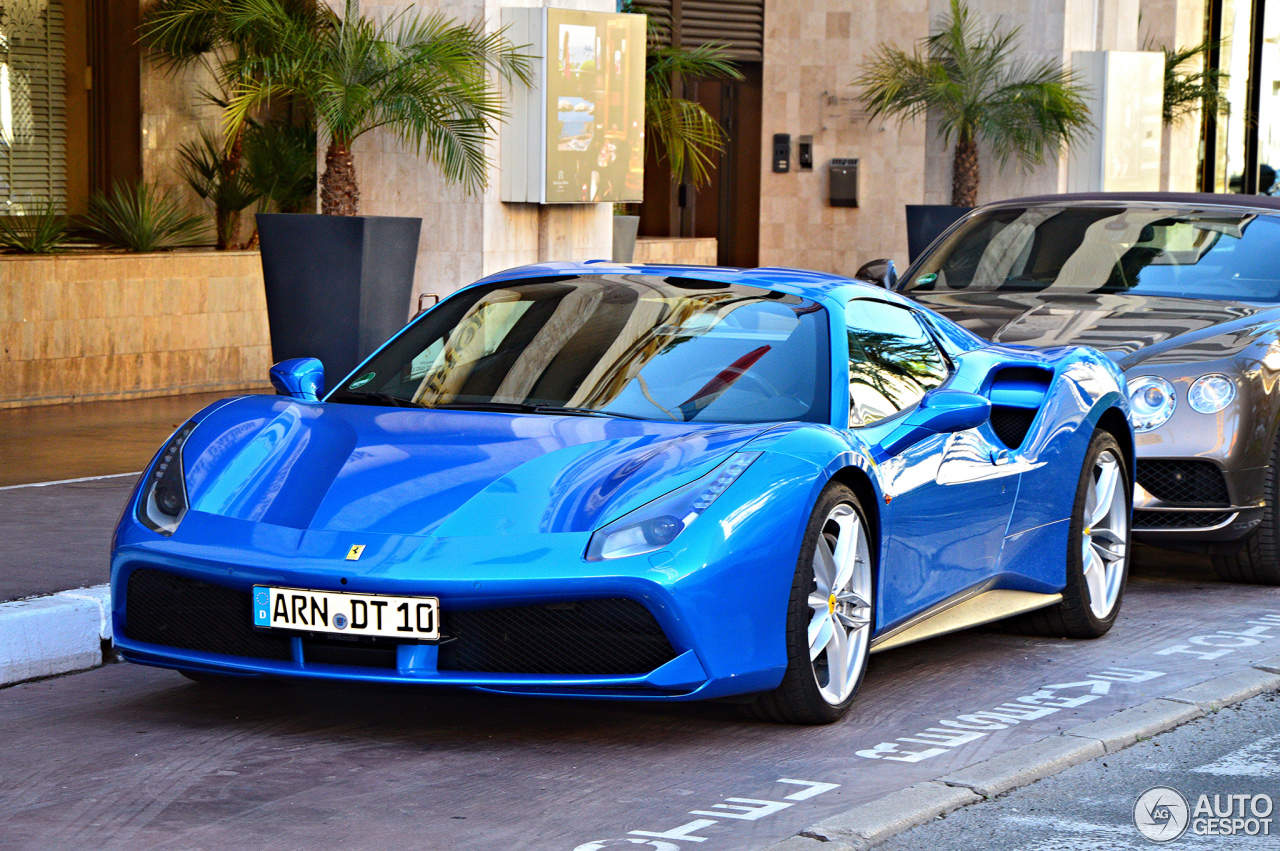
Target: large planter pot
{"x": 337, "y": 286}
{"x": 625, "y": 229}
{"x": 926, "y": 222}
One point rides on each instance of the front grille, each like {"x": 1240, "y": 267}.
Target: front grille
{"x": 1011, "y": 424}
{"x": 602, "y": 637}
{"x": 1178, "y": 519}
{"x": 174, "y": 611}
{"x": 1186, "y": 482}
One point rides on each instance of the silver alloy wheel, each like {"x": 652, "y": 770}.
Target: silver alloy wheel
{"x": 840, "y": 608}
{"x": 1106, "y": 534}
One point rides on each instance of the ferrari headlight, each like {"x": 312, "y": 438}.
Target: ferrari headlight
{"x": 1211, "y": 393}
{"x": 1151, "y": 402}
{"x": 655, "y": 524}
{"x": 163, "y": 501}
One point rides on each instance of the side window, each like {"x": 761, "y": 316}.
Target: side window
{"x": 892, "y": 361}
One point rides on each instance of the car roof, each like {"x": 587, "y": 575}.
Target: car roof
{"x": 802, "y": 282}
{"x": 1196, "y": 200}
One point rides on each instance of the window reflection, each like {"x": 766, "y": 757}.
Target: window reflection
{"x": 892, "y": 361}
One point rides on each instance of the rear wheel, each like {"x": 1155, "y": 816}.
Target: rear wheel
{"x": 829, "y": 616}
{"x": 1097, "y": 549}
{"x": 1256, "y": 557}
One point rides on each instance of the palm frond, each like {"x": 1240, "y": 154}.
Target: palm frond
{"x": 682, "y": 130}
{"x": 1191, "y": 83}
{"x": 425, "y": 77}
{"x": 970, "y": 78}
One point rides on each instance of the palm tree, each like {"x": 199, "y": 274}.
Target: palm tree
{"x": 424, "y": 78}
{"x": 682, "y": 129}
{"x": 1191, "y": 82}
{"x": 185, "y": 33}
{"x": 971, "y": 81}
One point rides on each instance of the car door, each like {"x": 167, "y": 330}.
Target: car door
{"x": 947, "y": 502}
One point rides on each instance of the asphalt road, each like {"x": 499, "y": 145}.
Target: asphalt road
{"x": 1091, "y": 807}
{"x": 58, "y": 537}
{"x": 126, "y": 756}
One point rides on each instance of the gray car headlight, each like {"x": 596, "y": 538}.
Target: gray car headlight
{"x": 1151, "y": 402}
{"x": 163, "y": 500}
{"x": 1211, "y": 393}
{"x": 657, "y": 523}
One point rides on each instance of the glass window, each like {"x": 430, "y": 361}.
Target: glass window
{"x": 1086, "y": 250}
{"x": 892, "y": 361}
{"x": 632, "y": 345}
{"x": 32, "y": 106}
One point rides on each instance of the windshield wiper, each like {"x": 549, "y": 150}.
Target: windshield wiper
{"x": 374, "y": 399}
{"x": 525, "y": 408}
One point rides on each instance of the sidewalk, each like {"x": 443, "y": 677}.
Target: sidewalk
{"x": 65, "y": 473}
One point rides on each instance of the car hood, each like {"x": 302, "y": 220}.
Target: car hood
{"x": 1130, "y": 328}
{"x": 402, "y": 471}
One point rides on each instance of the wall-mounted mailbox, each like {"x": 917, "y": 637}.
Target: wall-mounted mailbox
{"x": 844, "y": 182}
{"x": 781, "y": 152}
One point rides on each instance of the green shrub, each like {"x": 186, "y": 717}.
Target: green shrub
{"x": 42, "y": 230}
{"x": 280, "y": 163}
{"x": 216, "y": 179}
{"x": 141, "y": 217}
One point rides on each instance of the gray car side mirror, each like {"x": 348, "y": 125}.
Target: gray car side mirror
{"x": 881, "y": 272}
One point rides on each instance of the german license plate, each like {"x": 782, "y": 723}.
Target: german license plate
{"x": 346, "y": 614}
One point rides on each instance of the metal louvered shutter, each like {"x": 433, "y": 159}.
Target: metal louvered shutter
{"x": 737, "y": 24}
{"x": 33, "y": 121}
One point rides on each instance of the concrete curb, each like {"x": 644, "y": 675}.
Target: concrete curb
{"x": 57, "y": 634}
{"x": 1143, "y": 721}
{"x": 872, "y": 823}
{"x": 876, "y": 821}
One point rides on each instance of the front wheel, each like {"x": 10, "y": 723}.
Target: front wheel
{"x": 1097, "y": 549}
{"x": 829, "y": 616}
{"x": 1256, "y": 557}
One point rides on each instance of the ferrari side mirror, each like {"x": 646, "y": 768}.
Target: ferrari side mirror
{"x": 881, "y": 272}
{"x": 939, "y": 412}
{"x": 299, "y": 378}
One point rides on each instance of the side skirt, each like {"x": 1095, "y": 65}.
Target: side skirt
{"x": 974, "y": 610}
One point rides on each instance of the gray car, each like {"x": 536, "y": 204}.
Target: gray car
{"x": 1183, "y": 292}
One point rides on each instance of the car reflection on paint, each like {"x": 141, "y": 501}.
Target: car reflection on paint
{"x": 642, "y": 482}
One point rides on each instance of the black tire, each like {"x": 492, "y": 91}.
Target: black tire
{"x": 798, "y": 699}
{"x": 1073, "y": 617}
{"x": 1256, "y": 557}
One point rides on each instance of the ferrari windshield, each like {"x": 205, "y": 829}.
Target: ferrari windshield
{"x": 1228, "y": 255}
{"x": 636, "y": 346}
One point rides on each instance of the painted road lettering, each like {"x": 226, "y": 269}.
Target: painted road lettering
{"x": 1215, "y": 645}
{"x": 953, "y": 732}
{"x": 739, "y": 809}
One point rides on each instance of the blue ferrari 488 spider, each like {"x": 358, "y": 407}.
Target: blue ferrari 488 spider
{"x": 644, "y": 482}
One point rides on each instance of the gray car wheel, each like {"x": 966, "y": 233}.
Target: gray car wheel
{"x": 1256, "y": 558}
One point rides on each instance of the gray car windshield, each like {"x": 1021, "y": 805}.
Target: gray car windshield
{"x": 1227, "y": 255}
{"x": 637, "y": 346}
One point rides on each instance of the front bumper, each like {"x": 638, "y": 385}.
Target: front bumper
{"x": 1195, "y": 500}
{"x": 705, "y": 613}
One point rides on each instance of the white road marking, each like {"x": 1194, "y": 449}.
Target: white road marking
{"x": 70, "y": 481}
{"x": 1259, "y": 759}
